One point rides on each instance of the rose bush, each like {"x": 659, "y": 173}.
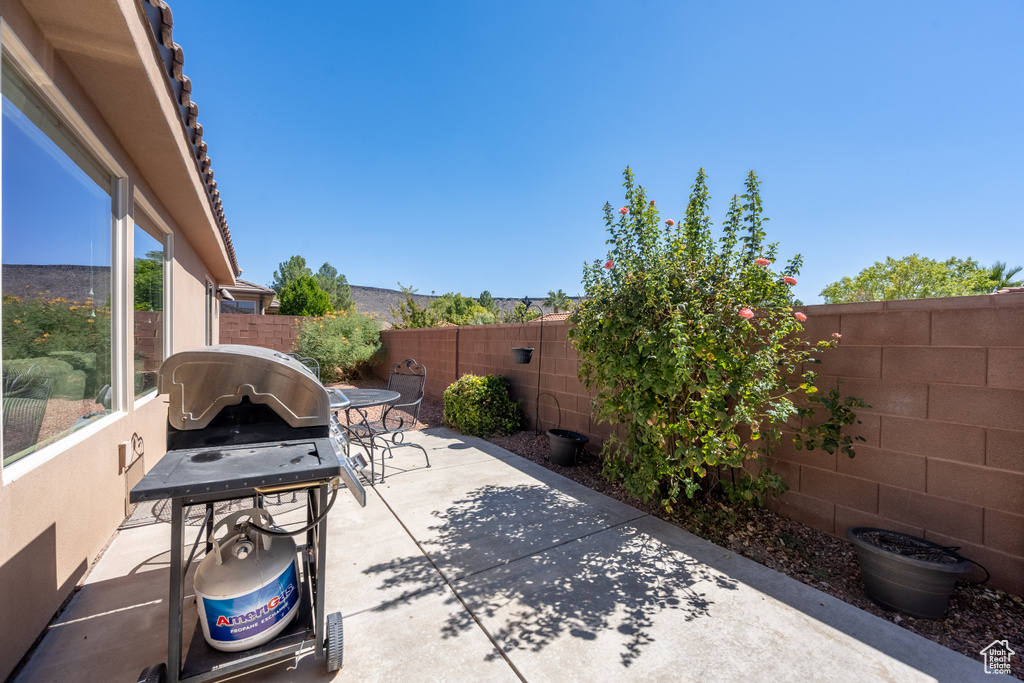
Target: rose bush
{"x": 691, "y": 346}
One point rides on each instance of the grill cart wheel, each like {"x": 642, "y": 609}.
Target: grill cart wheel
{"x": 153, "y": 674}
{"x": 335, "y": 641}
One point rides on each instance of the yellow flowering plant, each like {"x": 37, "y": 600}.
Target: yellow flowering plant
{"x": 341, "y": 342}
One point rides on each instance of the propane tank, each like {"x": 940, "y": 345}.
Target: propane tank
{"x": 247, "y": 587}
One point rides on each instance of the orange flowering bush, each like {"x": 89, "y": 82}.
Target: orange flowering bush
{"x": 690, "y": 344}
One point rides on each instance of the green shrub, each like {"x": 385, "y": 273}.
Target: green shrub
{"x": 67, "y": 382}
{"x": 340, "y": 342}
{"x": 480, "y": 406}
{"x": 448, "y": 308}
{"x": 304, "y": 297}
{"x": 74, "y": 332}
{"x": 86, "y": 362}
{"x": 460, "y": 310}
{"x": 688, "y": 342}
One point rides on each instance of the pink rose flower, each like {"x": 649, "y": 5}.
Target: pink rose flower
{"x": 762, "y": 261}
{"x": 609, "y": 264}
{"x": 789, "y": 280}
{"x": 624, "y": 211}
{"x": 670, "y": 222}
{"x": 746, "y": 313}
{"x": 836, "y": 335}
{"x": 800, "y": 316}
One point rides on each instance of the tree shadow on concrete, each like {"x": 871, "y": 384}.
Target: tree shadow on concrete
{"x": 525, "y": 558}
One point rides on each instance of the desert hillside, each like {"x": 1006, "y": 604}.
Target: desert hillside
{"x": 381, "y": 301}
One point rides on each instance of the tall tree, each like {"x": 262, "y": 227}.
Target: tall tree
{"x": 289, "y": 271}
{"x": 460, "y": 310}
{"x": 1001, "y": 276}
{"x": 558, "y": 300}
{"x": 487, "y": 302}
{"x": 410, "y": 314}
{"x": 912, "y": 277}
{"x": 521, "y": 313}
{"x": 149, "y": 282}
{"x": 304, "y": 297}
{"x": 336, "y": 287}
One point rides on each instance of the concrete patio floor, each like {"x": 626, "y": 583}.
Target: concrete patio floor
{"x": 487, "y": 567}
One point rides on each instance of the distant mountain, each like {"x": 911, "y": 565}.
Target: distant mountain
{"x": 72, "y": 282}
{"x": 381, "y": 301}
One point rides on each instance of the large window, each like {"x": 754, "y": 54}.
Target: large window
{"x": 56, "y": 251}
{"x": 149, "y": 303}
{"x": 238, "y": 307}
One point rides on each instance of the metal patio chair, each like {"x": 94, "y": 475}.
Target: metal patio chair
{"x": 312, "y": 364}
{"x": 408, "y": 378}
{"x": 25, "y": 396}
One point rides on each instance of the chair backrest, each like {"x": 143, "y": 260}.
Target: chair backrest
{"x": 312, "y": 364}
{"x": 24, "y": 397}
{"x": 407, "y": 378}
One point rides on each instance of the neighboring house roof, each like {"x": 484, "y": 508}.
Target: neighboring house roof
{"x": 552, "y": 317}
{"x": 161, "y": 23}
{"x": 246, "y": 287}
{"x": 248, "y": 291}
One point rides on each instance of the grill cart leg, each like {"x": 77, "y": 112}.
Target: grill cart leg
{"x": 335, "y": 641}
{"x": 175, "y": 616}
{"x": 319, "y": 566}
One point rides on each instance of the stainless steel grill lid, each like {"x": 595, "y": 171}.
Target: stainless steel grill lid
{"x": 202, "y": 382}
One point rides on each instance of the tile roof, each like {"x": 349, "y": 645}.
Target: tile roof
{"x": 173, "y": 57}
{"x": 246, "y": 287}
{"x": 552, "y": 317}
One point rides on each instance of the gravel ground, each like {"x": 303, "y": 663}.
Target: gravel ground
{"x": 977, "y": 615}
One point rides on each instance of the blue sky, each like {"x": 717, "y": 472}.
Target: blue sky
{"x": 464, "y": 146}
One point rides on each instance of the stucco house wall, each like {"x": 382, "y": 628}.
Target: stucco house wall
{"x": 102, "y": 61}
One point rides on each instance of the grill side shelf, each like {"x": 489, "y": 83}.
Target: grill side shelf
{"x": 198, "y": 471}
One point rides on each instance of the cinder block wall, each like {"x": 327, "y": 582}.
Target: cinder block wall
{"x": 149, "y": 329}
{"x": 451, "y": 352}
{"x": 434, "y": 347}
{"x": 944, "y": 450}
{"x": 276, "y": 332}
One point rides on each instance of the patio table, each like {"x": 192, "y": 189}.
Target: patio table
{"x": 360, "y": 401}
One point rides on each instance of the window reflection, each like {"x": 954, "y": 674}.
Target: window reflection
{"x": 57, "y": 222}
{"x": 149, "y": 308}
{"x": 238, "y": 307}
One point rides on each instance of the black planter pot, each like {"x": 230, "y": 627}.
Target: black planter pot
{"x": 907, "y": 573}
{"x": 521, "y": 355}
{"x": 564, "y": 445}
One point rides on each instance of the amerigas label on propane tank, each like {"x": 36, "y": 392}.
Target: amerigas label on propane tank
{"x": 243, "y": 618}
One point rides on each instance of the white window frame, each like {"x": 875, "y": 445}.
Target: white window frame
{"x": 166, "y": 238}
{"x": 120, "y": 287}
{"x": 211, "y": 302}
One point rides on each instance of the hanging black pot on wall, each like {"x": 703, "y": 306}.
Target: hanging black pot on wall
{"x": 563, "y": 446}
{"x": 907, "y": 573}
{"x": 522, "y": 355}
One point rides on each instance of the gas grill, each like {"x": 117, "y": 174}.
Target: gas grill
{"x": 245, "y": 422}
